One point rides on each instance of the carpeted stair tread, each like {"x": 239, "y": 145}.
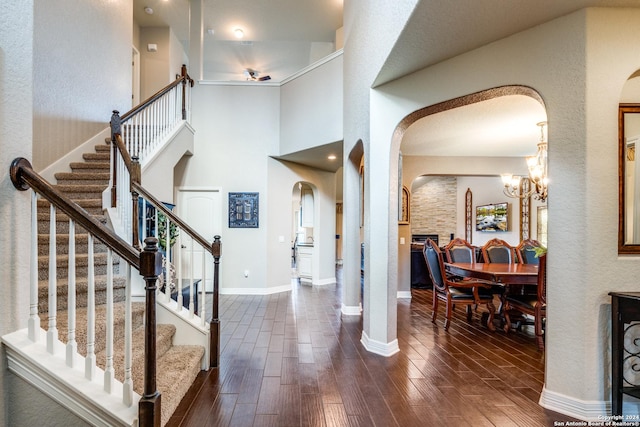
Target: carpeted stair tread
{"x": 178, "y": 369}
{"x": 93, "y": 206}
{"x": 62, "y": 243}
{"x": 96, "y": 157}
{"x": 82, "y": 264}
{"x": 81, "y": 178}
{"x": 63, "y": 217}
{"x": 164, "y": 338}
{"x": 102, "y": 148}
{"x": 80, "y": 191}
{"x": 100, "y": 284}
{"x": 90, "y": 166}
{"x": 82, "y": 260}
{"x": 137, "y": 317}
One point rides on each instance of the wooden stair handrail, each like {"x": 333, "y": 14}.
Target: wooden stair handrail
{"x": 184, "y": 78}
{"x": 172, "y": 216}
{"x": 24, "y": 177}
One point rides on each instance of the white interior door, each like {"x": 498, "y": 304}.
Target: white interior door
{"x": 202, "y": 210}
{"x": 135, "y": 77}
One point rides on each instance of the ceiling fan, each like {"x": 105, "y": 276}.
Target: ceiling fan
{"x": 251, "y": 74}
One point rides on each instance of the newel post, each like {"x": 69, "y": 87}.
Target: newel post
{"x": 115, "y": 130}
{"x": 150, "y": 267}
{"x": 214, "y": 324}
{"x": 136, "y": 177}
{"x": 183, "y": 72}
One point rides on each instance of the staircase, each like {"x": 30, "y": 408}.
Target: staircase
{"x": 177, "y": 366}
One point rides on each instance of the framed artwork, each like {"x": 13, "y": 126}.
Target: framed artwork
{"x": 542, "y": 225}
{"x": 468, "y": 203}
{"x": 525, "y": 210}
{"x": 404, "y": 206}
{"x": 494, "y": 217}
{"x": 243, "y": 210}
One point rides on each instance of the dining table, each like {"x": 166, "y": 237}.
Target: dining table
{"x": 510, "y": 277}
{"x": 498, "y": 273}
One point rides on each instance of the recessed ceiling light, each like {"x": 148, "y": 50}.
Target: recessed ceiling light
{"x": 331, "y": 157}
{"x": 238, "y": 33}
{"x": 148, "y": 10}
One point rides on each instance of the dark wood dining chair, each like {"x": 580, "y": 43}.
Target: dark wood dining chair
{"x": 498, "y": 251}
{"x": 532, "y": 304}
{"x": 465, "y": 292}
{"x": 459, "y": 250}
{"x": 526, "y": 253}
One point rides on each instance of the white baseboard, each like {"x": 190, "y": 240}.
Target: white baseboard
{"x": 255, "y": 291}
{"x": 378, "y": 347}
{"x": 404, "y": 294}
{"x": 593, "y": 410}
{"x": 351, "y": 310}
{"x": 325, "y": 282}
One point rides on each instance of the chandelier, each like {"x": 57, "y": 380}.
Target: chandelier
{"x": 536, "y": 183}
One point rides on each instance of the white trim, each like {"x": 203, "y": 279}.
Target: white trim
{"x": 63, "y": 164}
{"x": 325, "y": 282}
{"x": 166, "y": 142}
{"x": 68, "y": 386}
{"x": 404, "y": 294}
{"x": 255, "y": 291}
{"x": 594, "y": 410}
{"x": 351, "y": 310}
{"x": 313, "y": 66}
{"x": 237, "y": 83}
{"x": 378, "y": 347}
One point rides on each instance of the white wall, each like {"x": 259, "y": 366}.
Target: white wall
{"x": 311, "y": 108}
{"x": 158, "y": 69}
{"x": 232, "y": 143}
{"x": 157, "y": 173}
{"x": 282, "y": 177}
{"x": 16, "y": 90}
{"x": 79, "y": 75}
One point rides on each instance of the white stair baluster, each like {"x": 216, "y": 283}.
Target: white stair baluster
{"x": 191, "y": 279}
{"x": 72, "y": 345}
{"x": 201, "y": 305}
{"x": 52, "y": 332}
{"x": 90, "y": 359}
{"x": 127, "y": 384}
{"x": 34, "y": 319}
{"x": 178, "y": 261}
{"x": 109, "y": 373}
{"x": 167, "y": 257}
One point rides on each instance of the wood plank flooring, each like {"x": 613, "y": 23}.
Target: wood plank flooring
{"x": 292, "y": 359}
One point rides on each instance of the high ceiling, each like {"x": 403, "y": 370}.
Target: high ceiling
{"x": 282, "y": 37}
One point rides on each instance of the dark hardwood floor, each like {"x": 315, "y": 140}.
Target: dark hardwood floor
{"x": 291, "y": 359}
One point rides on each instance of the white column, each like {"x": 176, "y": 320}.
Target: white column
{"x": 196, "y": 40}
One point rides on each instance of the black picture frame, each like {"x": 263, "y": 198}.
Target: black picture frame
{"x": 244, "y": 210}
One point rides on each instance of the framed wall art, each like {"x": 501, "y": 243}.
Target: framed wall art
{"x": 243, "y": 210}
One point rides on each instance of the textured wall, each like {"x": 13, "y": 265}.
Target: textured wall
{"x": 82, "y": 71}
{"x": 16, "y": 66}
